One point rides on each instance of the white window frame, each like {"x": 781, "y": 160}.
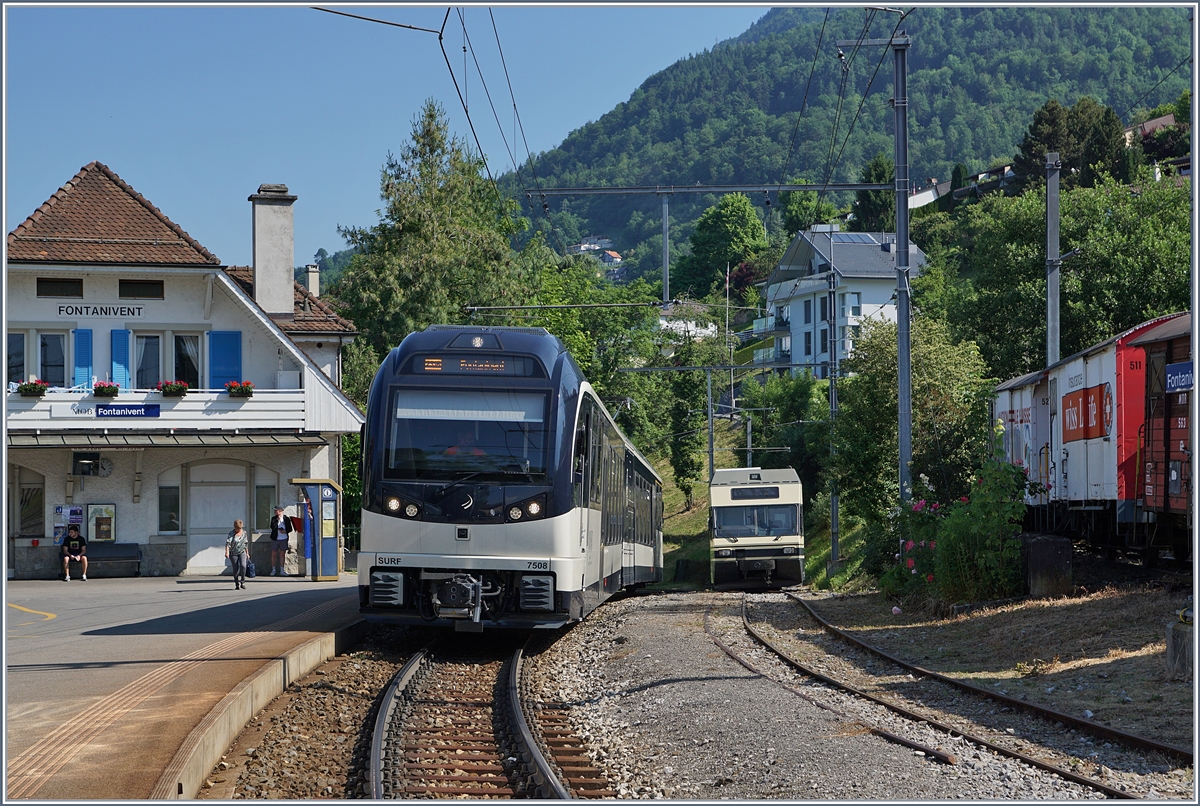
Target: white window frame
{"x": 133, "y": 357}
{"x": 68, "y": 358}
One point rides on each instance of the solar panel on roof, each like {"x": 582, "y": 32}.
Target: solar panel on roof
{"x": 852, "y": 237}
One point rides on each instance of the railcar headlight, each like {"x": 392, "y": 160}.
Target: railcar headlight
{"x": 534, "y": 508}
{"x": 789, "y": 550}
{"x": 412, "y": 510}
{"x": 724, "y": 553}
{"x": 392, "y": 503}
{"x": 514, "y": 513}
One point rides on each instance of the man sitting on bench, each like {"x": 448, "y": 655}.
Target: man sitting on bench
{"x": 74, "y": 548}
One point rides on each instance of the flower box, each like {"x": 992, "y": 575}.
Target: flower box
{"x": 105, "y": 389}
{"x": 172, "y": 388}
{"x": 32, "y": 388}
{"x": 242, "y": 389}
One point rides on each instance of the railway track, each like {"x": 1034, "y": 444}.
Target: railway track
{"x": 929, "y": 703}
{"x": 453, "y": 724}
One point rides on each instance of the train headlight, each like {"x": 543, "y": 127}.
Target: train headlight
{"x": 789, "y": 550}
{"x": 392, "y": 503}
{"x": 528, "y": 509}
{"x": 412, "y": 510}
{"x": 724, "y": 553}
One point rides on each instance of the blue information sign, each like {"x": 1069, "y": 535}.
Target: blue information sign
{"x": 126, "y": 410}
{"x": 1179, "y": 376}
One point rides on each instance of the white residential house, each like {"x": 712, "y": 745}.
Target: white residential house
{"x": 826, "y": 285}
{"x": 103, "y": 287}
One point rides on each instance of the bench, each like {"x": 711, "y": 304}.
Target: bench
{"x": 114, "y": 554}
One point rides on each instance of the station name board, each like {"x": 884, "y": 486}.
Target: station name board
{"x": 69, "y": 311}
{"x": 119, "y": 410}
{"x": 1179, "y": 377}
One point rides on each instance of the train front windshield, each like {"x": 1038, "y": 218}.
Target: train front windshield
{"x": 755, "y": 521}
{"x": 447, "y": 433}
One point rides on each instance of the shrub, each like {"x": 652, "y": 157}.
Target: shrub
{"x": 977, "y": 557}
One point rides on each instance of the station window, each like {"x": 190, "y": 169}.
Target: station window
{"x": 52, "y": 360}
{"x": 808, "y": 342}
{"x": 55, "y": 287}
{"x": 824, "y": 309}
{"x": 147, "y": 361}
{"x": 187, "y": 360}
{"x": 266, "y": 496}
{"x": 29, "y": 520}
{"x": 16, "y": 357}
{"x": 824, "y": 341}
{"x": 140, "y": 289}
{"x": 808, "y": 311}
{"x": 168, "y": 501}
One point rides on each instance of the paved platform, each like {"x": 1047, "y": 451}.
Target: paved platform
{"x": 123, "y": 689}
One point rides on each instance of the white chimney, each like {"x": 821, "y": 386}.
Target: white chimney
{"x": 313, "y": 279}
{"x": 274, "y": 249}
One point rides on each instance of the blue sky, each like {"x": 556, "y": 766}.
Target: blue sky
{"x": 195, "y": 107}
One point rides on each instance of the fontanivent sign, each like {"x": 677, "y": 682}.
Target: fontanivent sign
{"x": 75, "y": 311}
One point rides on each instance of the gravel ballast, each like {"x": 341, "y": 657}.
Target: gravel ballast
{"x": 665, "y": 712}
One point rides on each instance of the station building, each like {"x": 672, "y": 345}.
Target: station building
{"x": 101, "y": 286}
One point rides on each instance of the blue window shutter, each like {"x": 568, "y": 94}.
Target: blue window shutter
{"x": 120, "y": 357}
{"x": 224, "y": 357}
{"x": 83, "y": 357}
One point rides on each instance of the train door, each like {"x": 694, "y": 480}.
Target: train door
{"x": 629, "y": 520}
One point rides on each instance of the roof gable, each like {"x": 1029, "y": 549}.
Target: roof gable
{"x": 97, "y": 218}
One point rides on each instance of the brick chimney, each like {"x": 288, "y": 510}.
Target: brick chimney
{"x": 274, "y": 249}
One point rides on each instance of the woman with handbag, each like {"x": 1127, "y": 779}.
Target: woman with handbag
{"x": 237, "y": 551}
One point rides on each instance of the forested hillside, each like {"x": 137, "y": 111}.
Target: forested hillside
{"x": 733, "y": 114}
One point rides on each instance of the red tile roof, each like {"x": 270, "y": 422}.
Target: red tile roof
{"x": 310, "y": 314}
{"x": 97, "y": 218}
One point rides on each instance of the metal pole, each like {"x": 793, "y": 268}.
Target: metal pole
{"x": 708, "y": 375}
{"x": 1053, "y": 261}
{"x": 666, "y": 256}
{"x": 900, "y": 47}
{"x": 729, "y": 344}
{"x": 749, "y": 449}
{"x": 834, "y": 559}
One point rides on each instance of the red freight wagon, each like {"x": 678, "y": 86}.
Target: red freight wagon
{"x": 1078, "y": 429}
{"x": 1166, "y": 443}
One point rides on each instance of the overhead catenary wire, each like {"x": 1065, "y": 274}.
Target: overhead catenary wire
{"x": 1133, "y": 106}
{"x": 804, "y": 102}
{"x": 866, "y": 92}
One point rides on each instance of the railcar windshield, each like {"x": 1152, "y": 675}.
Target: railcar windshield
{"x": 490, "y": 434}
{"x": 760, "y": 521}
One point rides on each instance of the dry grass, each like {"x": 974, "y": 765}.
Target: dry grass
{"x": 1103, "y": 652}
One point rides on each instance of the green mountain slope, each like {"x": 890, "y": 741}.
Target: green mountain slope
{"x": 728, "y": 115}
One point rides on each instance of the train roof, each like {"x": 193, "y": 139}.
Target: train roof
{"x": 1171, "y": 329}
{"x": 1030, "y": 377}
{"x": 743, "y": 475}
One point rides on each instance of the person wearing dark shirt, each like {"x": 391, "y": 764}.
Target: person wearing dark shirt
{"x": 74, "y": 547}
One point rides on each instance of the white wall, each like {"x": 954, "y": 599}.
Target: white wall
{"x": 181, "y": 311}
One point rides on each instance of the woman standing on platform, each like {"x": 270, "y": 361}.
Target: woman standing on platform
{"x": 237, "y": 551}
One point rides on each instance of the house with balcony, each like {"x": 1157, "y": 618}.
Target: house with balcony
{"x": 103, "y": 287}
{"x": 828, "y": 284}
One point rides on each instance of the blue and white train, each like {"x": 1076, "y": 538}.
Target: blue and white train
{"x": 497, "y": 489}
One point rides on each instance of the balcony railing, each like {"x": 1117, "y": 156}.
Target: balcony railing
{"x": 73, "y": 409}
{"x": 783, "y": 325}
